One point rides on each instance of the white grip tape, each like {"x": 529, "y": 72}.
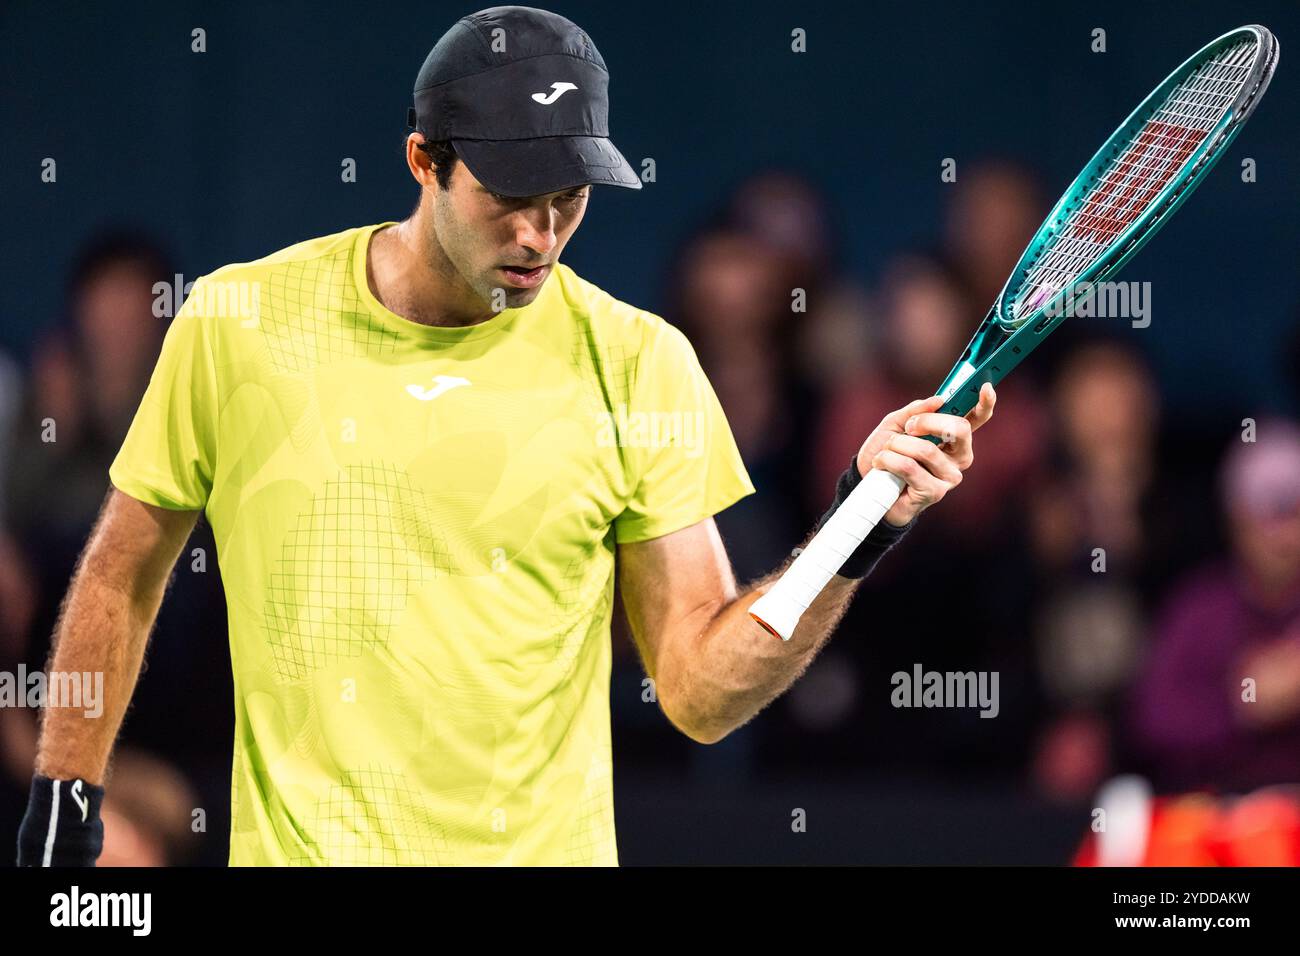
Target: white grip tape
{"x": 781, "y": 607}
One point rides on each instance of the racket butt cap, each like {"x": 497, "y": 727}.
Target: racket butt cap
{"x": 778, "y": 620}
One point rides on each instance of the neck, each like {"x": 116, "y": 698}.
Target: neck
{"x": 410, "y": 274}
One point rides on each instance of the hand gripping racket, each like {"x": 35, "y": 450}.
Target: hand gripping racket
{"x": 1124, "y": 195}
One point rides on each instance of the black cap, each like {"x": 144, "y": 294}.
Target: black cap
{"x": 523, "y": 95}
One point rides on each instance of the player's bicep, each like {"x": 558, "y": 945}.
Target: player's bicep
{"x": 672, "y": 586}
{"x": 134, "y": 545}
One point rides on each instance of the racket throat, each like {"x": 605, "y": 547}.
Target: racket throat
{"x": 979, "y": 363}
{"x": 956, "y": 380}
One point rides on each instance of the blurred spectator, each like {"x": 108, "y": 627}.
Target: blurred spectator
{"x": 16, "y": 595}
{"x": 995, "y": 209}
{"x": 730, "y": 305}
{"x": 1218, "y": 705}
{"x": 11, "y": 389}
{"x": 150, "y": 812}
{"x": 923, "y": 310}
{"x": 1108, "y": 531}
{"x": 89, "y": 374}
{"x": 841, "y": 711}
{"x": 783, "y": 212}
{"x": 741, "y": 290}
{"x": 927, "y": 308}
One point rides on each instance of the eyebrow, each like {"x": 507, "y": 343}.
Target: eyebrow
{"x": 562, "y": 192}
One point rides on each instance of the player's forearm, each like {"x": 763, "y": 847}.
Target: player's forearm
{"x": 99, "y": 643}
{"x": 735, "y": 668}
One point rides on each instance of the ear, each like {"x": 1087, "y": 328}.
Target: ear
{"x": 418, "y": 161}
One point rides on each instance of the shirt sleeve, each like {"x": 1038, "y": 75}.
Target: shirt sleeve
{"x": 683, "y": 459}
{"x": 169, "y": 454}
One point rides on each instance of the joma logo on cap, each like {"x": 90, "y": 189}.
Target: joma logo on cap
{"x": 557, "y": 90}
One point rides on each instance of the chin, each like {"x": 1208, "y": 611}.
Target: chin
{"x": 518, "y": 298}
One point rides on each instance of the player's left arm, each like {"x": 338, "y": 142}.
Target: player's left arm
{"x": 713, "y": 667}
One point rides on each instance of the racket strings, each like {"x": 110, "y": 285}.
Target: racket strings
{"x": 1128, "y": 185}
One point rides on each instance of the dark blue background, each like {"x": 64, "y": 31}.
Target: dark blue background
{"x": 231, "y": 154}
{"x": 236, "y": 152}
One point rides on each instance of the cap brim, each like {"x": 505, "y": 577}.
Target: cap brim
{"x": 532, "y": 167}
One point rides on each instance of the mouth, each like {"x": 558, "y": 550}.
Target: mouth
{"x": 524, "y": 278}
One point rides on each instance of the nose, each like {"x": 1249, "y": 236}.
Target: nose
{"x": 535, "y": 229}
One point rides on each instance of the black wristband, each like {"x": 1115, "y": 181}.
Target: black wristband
{"x": 874, "y": 546}
{"x": 62, "y": 826}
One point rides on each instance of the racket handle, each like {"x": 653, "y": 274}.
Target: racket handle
{"x": 781, "y": 607}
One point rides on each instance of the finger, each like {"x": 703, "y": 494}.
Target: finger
{"x": 894, "y": 421}
{"x": 949, "y": 429}
{"x": 935, "y": 460}
{"x": 983, "y": 411}
{"x": 953, "y": 432}
{"x": 924, "y": 486}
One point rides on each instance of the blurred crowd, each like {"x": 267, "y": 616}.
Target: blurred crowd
{"x": 1132, "y": 578}
{"x": 66, "y": 414}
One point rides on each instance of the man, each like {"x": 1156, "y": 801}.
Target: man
{"x": 423, "y": 455}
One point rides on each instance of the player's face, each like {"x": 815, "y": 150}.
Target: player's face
{"x": 504, "y": 249}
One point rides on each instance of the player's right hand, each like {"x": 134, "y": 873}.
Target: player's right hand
{"x": 930, "y": 471}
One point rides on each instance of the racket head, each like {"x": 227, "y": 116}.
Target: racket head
{"x": 1144, "y": 171}
{"x": 1025, "y": 312}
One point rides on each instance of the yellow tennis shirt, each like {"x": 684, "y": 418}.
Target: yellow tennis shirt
{"x": 416, "y": 530}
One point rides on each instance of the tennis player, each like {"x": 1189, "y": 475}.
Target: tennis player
{"x": 424, "y": 448}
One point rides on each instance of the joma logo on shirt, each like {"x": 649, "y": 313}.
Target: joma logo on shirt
{"x": 442, "y": 383}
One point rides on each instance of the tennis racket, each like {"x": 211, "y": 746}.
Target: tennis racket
{"x": 1128, "y": 190}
